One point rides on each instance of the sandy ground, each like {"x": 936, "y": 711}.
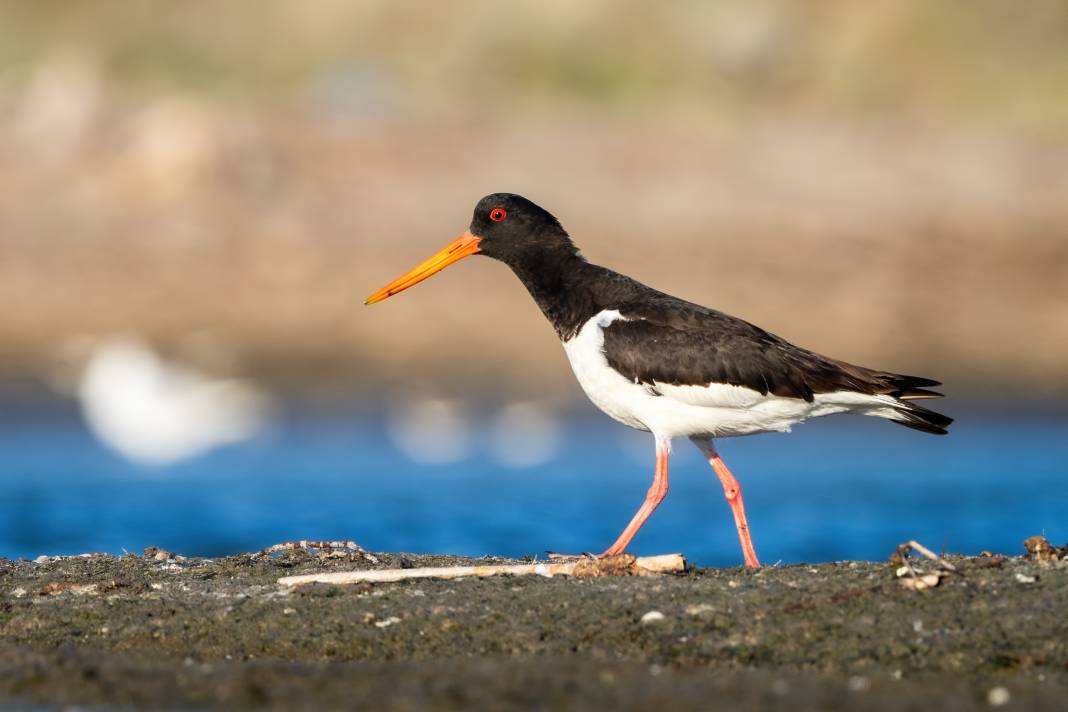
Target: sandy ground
{"x": 144, "y": 632}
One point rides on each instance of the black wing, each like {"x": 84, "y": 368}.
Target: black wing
{"x": 674, "y": 342}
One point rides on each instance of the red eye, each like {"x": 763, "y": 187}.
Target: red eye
{"x": 498, "y": 214}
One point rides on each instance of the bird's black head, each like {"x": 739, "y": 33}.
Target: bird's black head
{"x": 511, "y": 228}
{"x": 505, "y": 226}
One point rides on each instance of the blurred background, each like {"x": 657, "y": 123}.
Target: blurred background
{"x": 195, "y": 198}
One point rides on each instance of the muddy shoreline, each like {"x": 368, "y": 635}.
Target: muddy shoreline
{"x": 159, "y": 631}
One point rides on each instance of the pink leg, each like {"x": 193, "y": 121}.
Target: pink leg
{"x": 655, "y": 495}
{"x": 733, "y": 492}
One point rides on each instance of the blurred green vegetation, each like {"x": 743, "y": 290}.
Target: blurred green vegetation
{"x": 985, "y": 59}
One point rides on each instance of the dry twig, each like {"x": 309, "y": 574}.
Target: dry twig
{"x": 622, "y": 565}
{"x": 917, "y": 546}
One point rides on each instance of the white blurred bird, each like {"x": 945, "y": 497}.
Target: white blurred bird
{"x": 156, "y": 413}
{"x": 430, "y": 431}
{"x": 524, "y": 434}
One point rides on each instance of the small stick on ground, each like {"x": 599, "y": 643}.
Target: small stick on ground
{"x": 622, "y": 565}
{"x": 917, "y": 546}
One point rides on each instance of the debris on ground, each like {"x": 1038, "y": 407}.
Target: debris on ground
{"x": 918, "y": 579}
{"x": 1040, "y": 549}
{"x": 321, "y": 549}
{"x": 998, "y": 696}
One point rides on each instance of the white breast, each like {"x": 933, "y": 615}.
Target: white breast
{"x": 608, "y": 390}
{"x": 713, "y": 410}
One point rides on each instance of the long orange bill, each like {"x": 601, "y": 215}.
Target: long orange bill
{"x": 463, "y": 246}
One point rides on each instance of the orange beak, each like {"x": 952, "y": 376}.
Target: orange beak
{"x": 463, "y": 246}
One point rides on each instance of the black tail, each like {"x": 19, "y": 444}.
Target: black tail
{"x": 912, "y": 415}
{"x": 911, "y": 387}
{"x": 905, "y": 390}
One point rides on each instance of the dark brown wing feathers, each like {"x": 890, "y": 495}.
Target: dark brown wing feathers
{"x": 679, "y": 343}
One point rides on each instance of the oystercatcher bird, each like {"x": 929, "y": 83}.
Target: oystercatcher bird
{"x": 668, "y": 366}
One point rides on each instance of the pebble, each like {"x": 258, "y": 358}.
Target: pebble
{"x": 652, "y": 617}
{"x": 1025, "y": 578}
{"x": 387, "y": 622}
{"x": 998, "y": 696}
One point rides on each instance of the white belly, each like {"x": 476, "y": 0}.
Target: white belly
{"x": 715, "y": 410}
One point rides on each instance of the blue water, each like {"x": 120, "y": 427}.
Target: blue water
{"x": 845, "y": 488}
